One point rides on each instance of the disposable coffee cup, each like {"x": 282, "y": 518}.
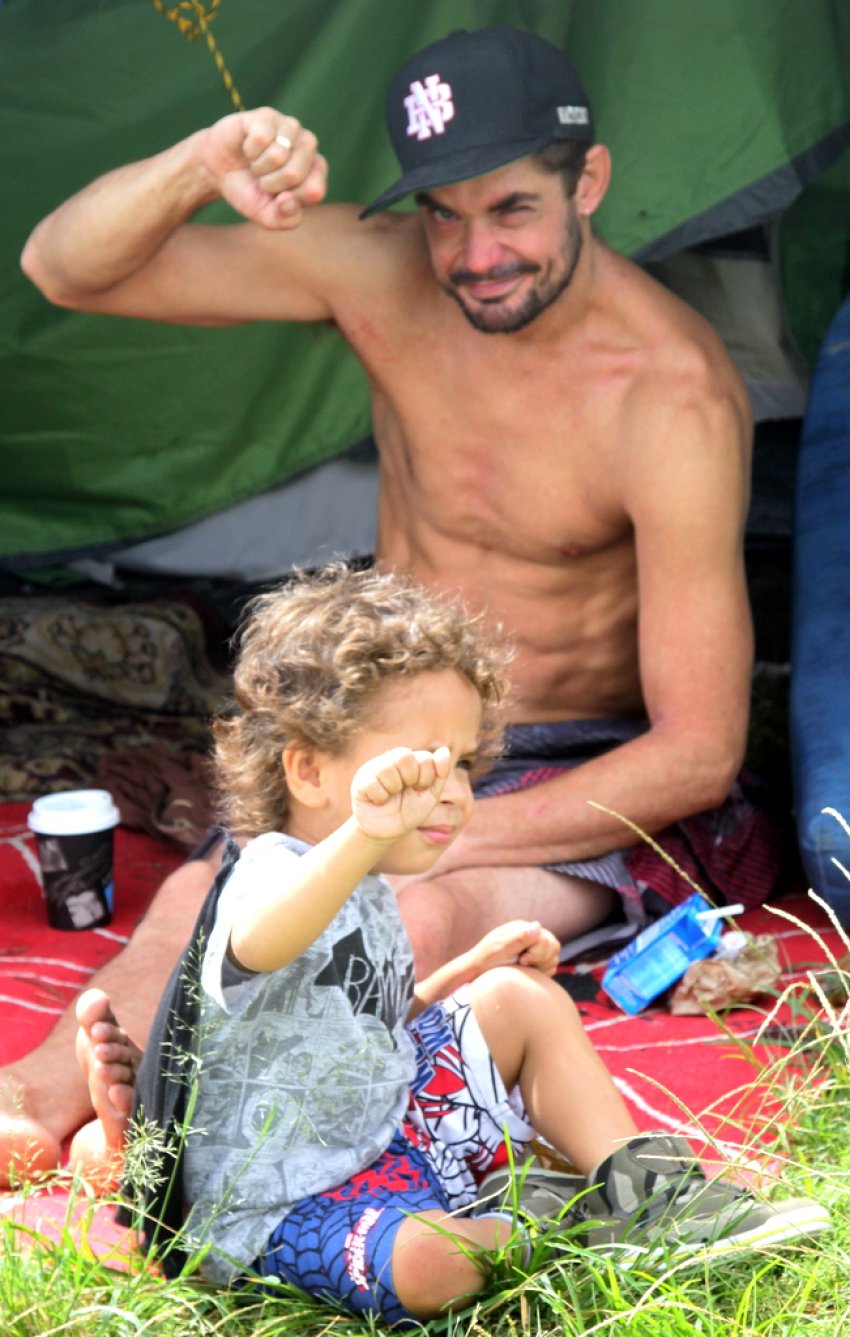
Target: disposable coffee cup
{"x": 74, "y": 833}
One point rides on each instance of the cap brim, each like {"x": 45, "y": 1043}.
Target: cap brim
{"x": 456, "y": 167}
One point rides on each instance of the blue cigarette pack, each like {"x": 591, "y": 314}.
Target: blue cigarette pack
{"x": 661, "y": 954}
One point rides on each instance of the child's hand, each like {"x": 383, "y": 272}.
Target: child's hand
{"x": 522, "y": 942}
{"x": 397, "y": 791}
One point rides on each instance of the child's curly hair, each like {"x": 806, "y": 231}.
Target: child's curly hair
{"x": 312, "y": 654}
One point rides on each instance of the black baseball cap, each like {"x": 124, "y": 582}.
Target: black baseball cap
{"x": 476, "y": 100}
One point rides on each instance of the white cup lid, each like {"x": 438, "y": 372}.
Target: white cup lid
{"x": 73, "y": 813}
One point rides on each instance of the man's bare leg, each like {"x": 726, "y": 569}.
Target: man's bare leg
{"x": 447, "y": 915}
{"x": 48, "y": 1084}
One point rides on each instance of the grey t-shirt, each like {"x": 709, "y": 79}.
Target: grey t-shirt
{"x": 305, "y": 1071}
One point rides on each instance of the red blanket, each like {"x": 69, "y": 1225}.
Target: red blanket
{"x": 677, "y": 1073}
{"x": 42, "y": 969}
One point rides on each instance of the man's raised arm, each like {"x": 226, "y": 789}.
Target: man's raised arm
{"x": 122, "y": 246}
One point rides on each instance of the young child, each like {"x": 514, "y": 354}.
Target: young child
{"x": 346, "y": 1116}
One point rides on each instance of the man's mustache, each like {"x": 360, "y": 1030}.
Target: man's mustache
{"x": 460, "y": 276}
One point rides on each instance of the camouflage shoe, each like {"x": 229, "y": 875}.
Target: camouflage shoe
{"x": 651, "y": 1194}
{"x": 543, "y": 1195}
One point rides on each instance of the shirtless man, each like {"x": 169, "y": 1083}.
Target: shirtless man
{"x": 560, "y": 438}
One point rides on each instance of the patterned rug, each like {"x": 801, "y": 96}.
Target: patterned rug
{"x": 112, "y": 692}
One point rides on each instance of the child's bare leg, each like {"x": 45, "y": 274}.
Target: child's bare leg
{"x": 538, "y": 1043}
{"x": 433, "y": 1269}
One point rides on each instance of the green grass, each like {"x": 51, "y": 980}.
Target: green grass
{"x": 802, "y": 1290}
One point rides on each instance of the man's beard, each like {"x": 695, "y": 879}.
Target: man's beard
{"x": 493, "y": 318}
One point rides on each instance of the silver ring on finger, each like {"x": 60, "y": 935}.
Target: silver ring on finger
{"x": 284, "y": 142}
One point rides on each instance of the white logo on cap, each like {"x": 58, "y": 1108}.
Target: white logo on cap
{"x": 573, "y": 116}
{"x": 429, "y": 105}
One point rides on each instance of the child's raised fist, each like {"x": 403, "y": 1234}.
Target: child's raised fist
{"x": 397, "y": 791}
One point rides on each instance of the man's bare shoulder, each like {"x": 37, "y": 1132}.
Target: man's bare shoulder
{"x": 675, "y": 337}
{"x": 682, "y": 369}
{"x": 395, "y": 267}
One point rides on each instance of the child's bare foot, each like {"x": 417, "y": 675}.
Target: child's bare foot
{"x": 109, "y": 1060}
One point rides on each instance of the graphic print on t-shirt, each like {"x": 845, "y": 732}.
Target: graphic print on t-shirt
{"x": 383, "y": 995}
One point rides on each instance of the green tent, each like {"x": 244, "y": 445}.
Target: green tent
{"x": 721, "y": 115}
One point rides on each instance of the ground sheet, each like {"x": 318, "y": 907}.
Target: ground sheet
{"x": 682, "y": 1074}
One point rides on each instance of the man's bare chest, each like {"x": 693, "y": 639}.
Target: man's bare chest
{"x": 501, "y": 459}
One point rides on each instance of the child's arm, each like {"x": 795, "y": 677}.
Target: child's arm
{"x": 522, "y": 942}
{"x": 390, "y": 795}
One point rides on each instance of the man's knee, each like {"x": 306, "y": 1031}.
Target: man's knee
{"x": 176, "y": 904}
{"x": 430, "y": 912}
